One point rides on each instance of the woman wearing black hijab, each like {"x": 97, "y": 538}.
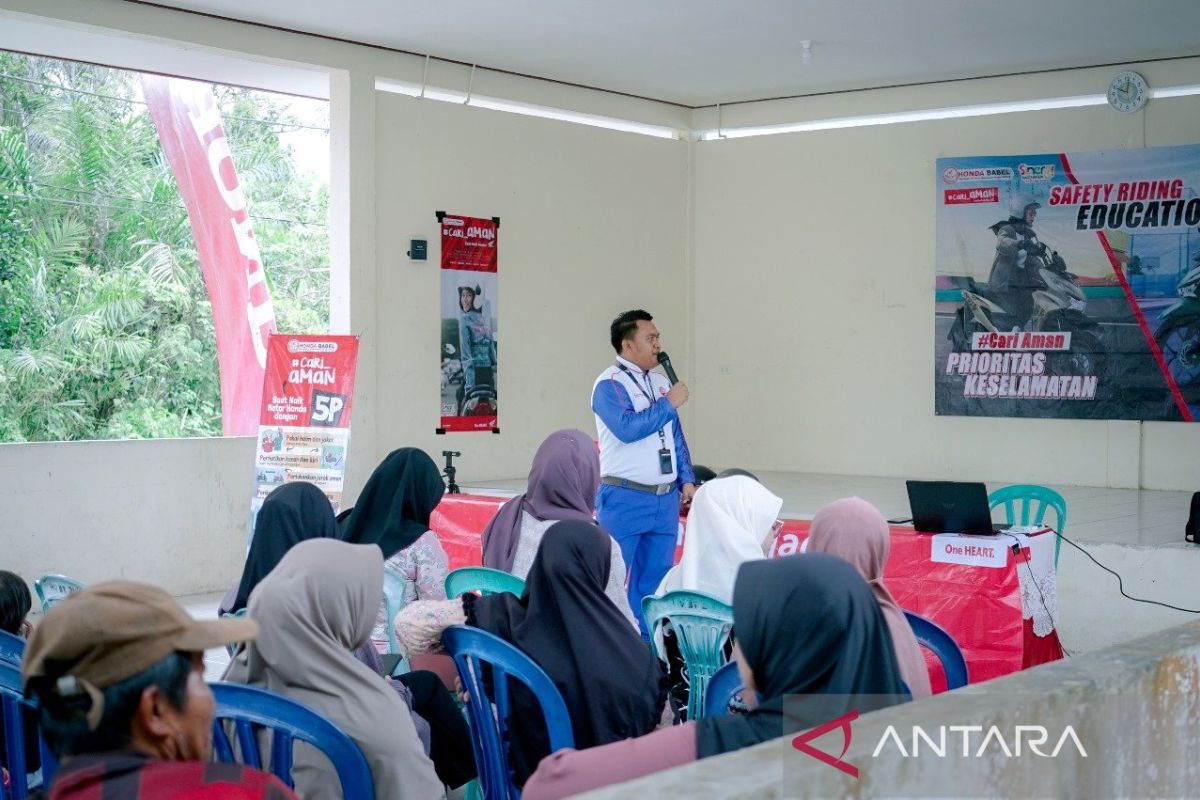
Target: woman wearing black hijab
{"x": 806, "y": 625}
{"x": 611, "y": 682}
{"x": 394, "y": 507}
{"x": 290, "y": 514}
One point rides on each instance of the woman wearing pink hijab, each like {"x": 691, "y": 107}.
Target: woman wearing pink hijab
{"x": 854, "y": 530}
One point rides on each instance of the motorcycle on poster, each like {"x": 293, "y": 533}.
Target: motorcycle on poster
{"x": 1067, "y": 285}
{"x": 468, "y": 345}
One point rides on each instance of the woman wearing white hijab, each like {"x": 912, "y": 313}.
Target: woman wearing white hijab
{"x": 314, "y": 608}
{"x": 730, "y": 522}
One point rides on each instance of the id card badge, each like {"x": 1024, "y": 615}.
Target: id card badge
{"x": 664, "y": 461}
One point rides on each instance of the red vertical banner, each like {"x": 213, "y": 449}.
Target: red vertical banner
{"x": 193, "y": 139}
{"x": 304, "y": 422}
{"x": 469, "y": 312}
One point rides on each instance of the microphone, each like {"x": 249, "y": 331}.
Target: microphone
{"x": 664, "y": 361}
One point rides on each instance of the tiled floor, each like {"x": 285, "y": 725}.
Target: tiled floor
{"x": 1122, "y": 516}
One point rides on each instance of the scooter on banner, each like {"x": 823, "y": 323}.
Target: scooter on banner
{"x": 1178, "y": 335}
{"x": 480, "y": 399}
{"x": 1058, "y": 306}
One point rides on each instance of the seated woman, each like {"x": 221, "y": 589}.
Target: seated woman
{"x": 562, "y": 486}
{"x": 566, "y": 623}
{"x": 292, "y": 513}
{"x": 298, "y": 512}
{"x": 854, "y": 530}
{"x": 393, "y": 511}
{"x": 807, "y": 625}
{"x": 15, "y": 604}
{"x": 731, "y": 522}
{"x": 313, "y": 609}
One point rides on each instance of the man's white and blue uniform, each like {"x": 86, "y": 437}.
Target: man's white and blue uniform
{"x": 638, "y": 501}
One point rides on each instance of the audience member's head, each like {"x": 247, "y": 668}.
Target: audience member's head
{"x": 566, "y": 623}
{"x": 15, "y": 604}
{"x": 735, "y": 471}
{"x": 703, "y": 474}
{"x": 119, "y": 665}
{"x": 852, "y": 529}
{"x": 562, "y": 486}
{"x": 315, "y": 607}
{"x": 291, "y": 514}
{"x": 731, "y": 521}
{"x": 807, "y": 626}
{"x": 394, "y": 507}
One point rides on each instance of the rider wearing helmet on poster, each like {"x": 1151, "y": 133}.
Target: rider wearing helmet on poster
{"x": 1019, "y": 258}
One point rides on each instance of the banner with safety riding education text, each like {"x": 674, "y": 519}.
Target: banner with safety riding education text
{"x": 304, "y": 423}
{"x": 468, "y": 319}
{"x": 1067, "y": 285}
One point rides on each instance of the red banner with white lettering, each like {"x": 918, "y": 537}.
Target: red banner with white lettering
{"x": 307, "y": 394}
{"x": 193, "y": 139}
{"x": 469, "y": 310}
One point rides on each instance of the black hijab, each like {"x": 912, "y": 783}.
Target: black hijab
{"x": 394, "y": 507}
{"x": 564, "y": 621}
{"x": 290, "y": 514}
{"x": 807, "y": 625}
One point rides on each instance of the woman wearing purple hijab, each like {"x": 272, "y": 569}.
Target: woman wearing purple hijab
{"x": 562, "y": 486}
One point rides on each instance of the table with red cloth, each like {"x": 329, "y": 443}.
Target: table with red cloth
{"x": 1001, "y": 616}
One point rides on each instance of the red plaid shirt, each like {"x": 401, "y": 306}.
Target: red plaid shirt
{"x": 133, "y": 776}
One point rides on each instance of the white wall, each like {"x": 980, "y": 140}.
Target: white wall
{"x": 591, "y": 223}
{"x": 814, "y": 270}
{"x": 172, "y": 512}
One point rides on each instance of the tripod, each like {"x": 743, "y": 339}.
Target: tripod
{"x": 451, "y": 471}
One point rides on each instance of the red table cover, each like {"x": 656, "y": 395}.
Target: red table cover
{"x": 979, "y": 606}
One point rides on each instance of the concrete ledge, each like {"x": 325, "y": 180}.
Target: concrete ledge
{"x": 1133, "y": 708}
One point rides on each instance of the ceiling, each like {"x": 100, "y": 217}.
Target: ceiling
{"x": 701, "y": 52}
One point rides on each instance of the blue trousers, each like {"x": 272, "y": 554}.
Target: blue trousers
{"x": 645, "y": 527}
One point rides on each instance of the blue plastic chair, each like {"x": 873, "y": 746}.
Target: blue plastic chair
{"x": 15, "y": 711}
{"x": 53, "y": 589}
{"x": 12, "y": 649}
{"x": 250, "y": 709}
{"x": 484, "y": 580}
{"x": 1027, "y": 503}
{"x": 701, "y": 624}
{"x": 935, "y": 637}
{"x": 489, "y": 716}
{"x": 724, "y": 685}
{"x": 393, "y": 592}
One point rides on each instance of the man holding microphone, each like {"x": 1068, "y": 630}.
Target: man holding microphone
{"x": 645, "y": 466}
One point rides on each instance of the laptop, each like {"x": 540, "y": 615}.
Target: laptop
{"x": 951, "y": 507}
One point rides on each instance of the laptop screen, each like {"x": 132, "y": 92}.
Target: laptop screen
{"x": 950, "y": 507}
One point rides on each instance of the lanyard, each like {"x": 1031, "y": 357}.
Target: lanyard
{"x": 662, "y": 435}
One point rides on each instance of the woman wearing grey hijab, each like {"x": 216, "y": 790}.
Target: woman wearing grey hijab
{"x": 314, "y": 608}
{"x": 562, "y": 486}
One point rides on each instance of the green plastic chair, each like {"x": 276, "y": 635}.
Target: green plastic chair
{"x": 393, "y": 591}
{"x": 233, "y": 648}
{"x": 53, "y": 589}
{"x": 701, "y": 624}
{"x": 484, "y": 580}
{"x": 1027, "y": 503}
